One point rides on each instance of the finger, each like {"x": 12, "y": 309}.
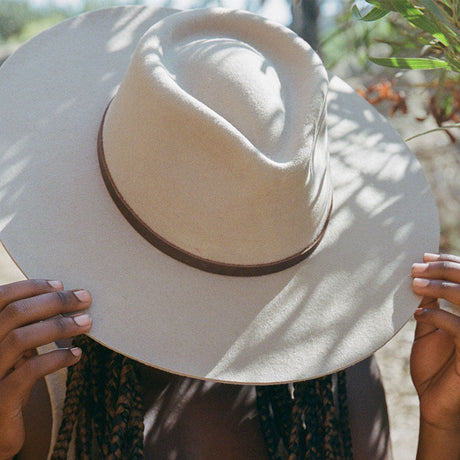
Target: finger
{"x": 38, "y": 334}
{"x": 40, "y": 307}
{"x": 428, "y": 257}
{"x": 19, "y": 383}
{"x": 422, "y": 329}
{"x": 24, "y": 358}
{"x": 441, "y": 319}
{"x": 442, "y": 270}
{"x": 27, "y": 288}
{"x": 429, "y": 302}
{"x": 437, "y": 288}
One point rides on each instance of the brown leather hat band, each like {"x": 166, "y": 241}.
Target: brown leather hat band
{"x": 184, "y": 256}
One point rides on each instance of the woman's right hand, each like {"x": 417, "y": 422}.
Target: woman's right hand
{"x": 33, "y": 313}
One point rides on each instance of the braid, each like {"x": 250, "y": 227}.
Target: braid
{"x": 271, "y": 434}
{"x": 317, "y": 426}
{"x": 136, "y": 419}
{"x": 103, "y": 405}
{"x": 307, "y": 437}
{"x": 281, "y": 400}
{"x": 83, "y": 438}
{"x": 110, "y": 398}
{"x": 75, "y": 383}
{"x": 344, "y": 424}
{"x": 330, "y": 425}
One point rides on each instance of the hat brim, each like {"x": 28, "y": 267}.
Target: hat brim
{"x": 58, "y": 221}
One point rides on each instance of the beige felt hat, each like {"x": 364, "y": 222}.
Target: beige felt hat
{"x": 235, "y": 215}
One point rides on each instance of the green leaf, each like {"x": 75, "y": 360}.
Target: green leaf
{"x": 434, "y": 9}
{"x": 383, "y": 4}
{"x": 411, "y": 63}
{"x": 454, "y": 63}
{"x": 366, "y": 12}
{"x": 444, "y": 19}
{"x": 413, "y": 15}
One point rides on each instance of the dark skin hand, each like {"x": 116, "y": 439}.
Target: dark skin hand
{"x": 435, "y": 358}
{"x": 33, "y": 313}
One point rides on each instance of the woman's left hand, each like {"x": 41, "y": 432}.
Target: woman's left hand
{"x": 435, "y": 358}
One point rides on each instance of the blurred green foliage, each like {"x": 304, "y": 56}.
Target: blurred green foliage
{"x": 19, "y": 21}
{"x": 348, "y": 40}
{"x": 14, "y": 16}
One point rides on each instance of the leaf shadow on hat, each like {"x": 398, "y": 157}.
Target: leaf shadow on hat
{"x": 357, "y": 291}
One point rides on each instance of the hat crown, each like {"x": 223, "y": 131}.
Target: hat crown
{"x": 238, "y": 83}
{"x": 216, "y": 138}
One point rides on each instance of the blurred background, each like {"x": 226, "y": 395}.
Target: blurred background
{"x": 352, "y": 39}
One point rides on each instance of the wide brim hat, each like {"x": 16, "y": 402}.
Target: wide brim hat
{"x": 343, "y": 292}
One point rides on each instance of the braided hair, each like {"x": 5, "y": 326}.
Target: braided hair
{"x": 104, "y": 407}
{"x": 305, "y": 420}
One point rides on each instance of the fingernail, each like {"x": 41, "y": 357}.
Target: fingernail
{"x": 419, "y": 268}
{"x": 430, "y": 256}
{"x": 82, "y": 295}
{"x": 56, "y": 284}
{"x": 420, "y": 282}
{"x": 420, "y": 311}
{"x": 76, "y": 351}
{"x": 82, "y": 320}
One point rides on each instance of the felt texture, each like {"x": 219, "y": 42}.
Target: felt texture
{"x": 216, "y": 138}
{"x": 57, "y": 221}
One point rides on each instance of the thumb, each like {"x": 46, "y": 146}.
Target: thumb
{"x": 424, "y": 328}
{"x": 436, "y": 318}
